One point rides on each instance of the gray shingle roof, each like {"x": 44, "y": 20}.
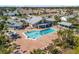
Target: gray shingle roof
{"x": 36, "y": 19}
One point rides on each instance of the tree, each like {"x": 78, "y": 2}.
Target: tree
{"x": 5, "y": 46}
{"x": 57, "y": 18}
{"x": 25, "y": 24}
{"x": 38, "y": 51}
{"x": 60, "y": 34}
{"x": 68, "y": 38}
{"x": 58, "y": 42}
{"x": 55, "y": 51}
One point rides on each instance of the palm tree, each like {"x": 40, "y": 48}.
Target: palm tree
{"x": 55, "y": 51}
{"x": 52, "y": 49}
{"x": 68, "y": 38}
{"x": 60, "y": 34}
{"x": 38, "y": 51}
{"x": 58, "y": 42}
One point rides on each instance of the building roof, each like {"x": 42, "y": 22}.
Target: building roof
{"x": 14, "y": 23}
{"x": 36, "y": 19}
{"x": 65, "y": 23}
{"x": 50, "y": 19}
{"x": 63, "y": 19}
{"x": 70, "y": 16}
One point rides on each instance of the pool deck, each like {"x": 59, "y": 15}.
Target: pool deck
{"x": 29, "y": 45}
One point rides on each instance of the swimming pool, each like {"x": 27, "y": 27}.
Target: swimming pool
{"x": 33, "y": 35}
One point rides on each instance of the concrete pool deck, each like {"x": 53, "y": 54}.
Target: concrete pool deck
{"x": 29, "y": 45}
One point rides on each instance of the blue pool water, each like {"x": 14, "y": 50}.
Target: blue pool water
{"x": 38, "y": 33}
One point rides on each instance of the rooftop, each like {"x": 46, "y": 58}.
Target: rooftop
{"x": 65, "y": 23}
{"x": 36, "y": 19}
{"x": 14, "y": 23}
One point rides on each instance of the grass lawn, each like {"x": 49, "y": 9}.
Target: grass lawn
{"x": 76, "y": 50}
